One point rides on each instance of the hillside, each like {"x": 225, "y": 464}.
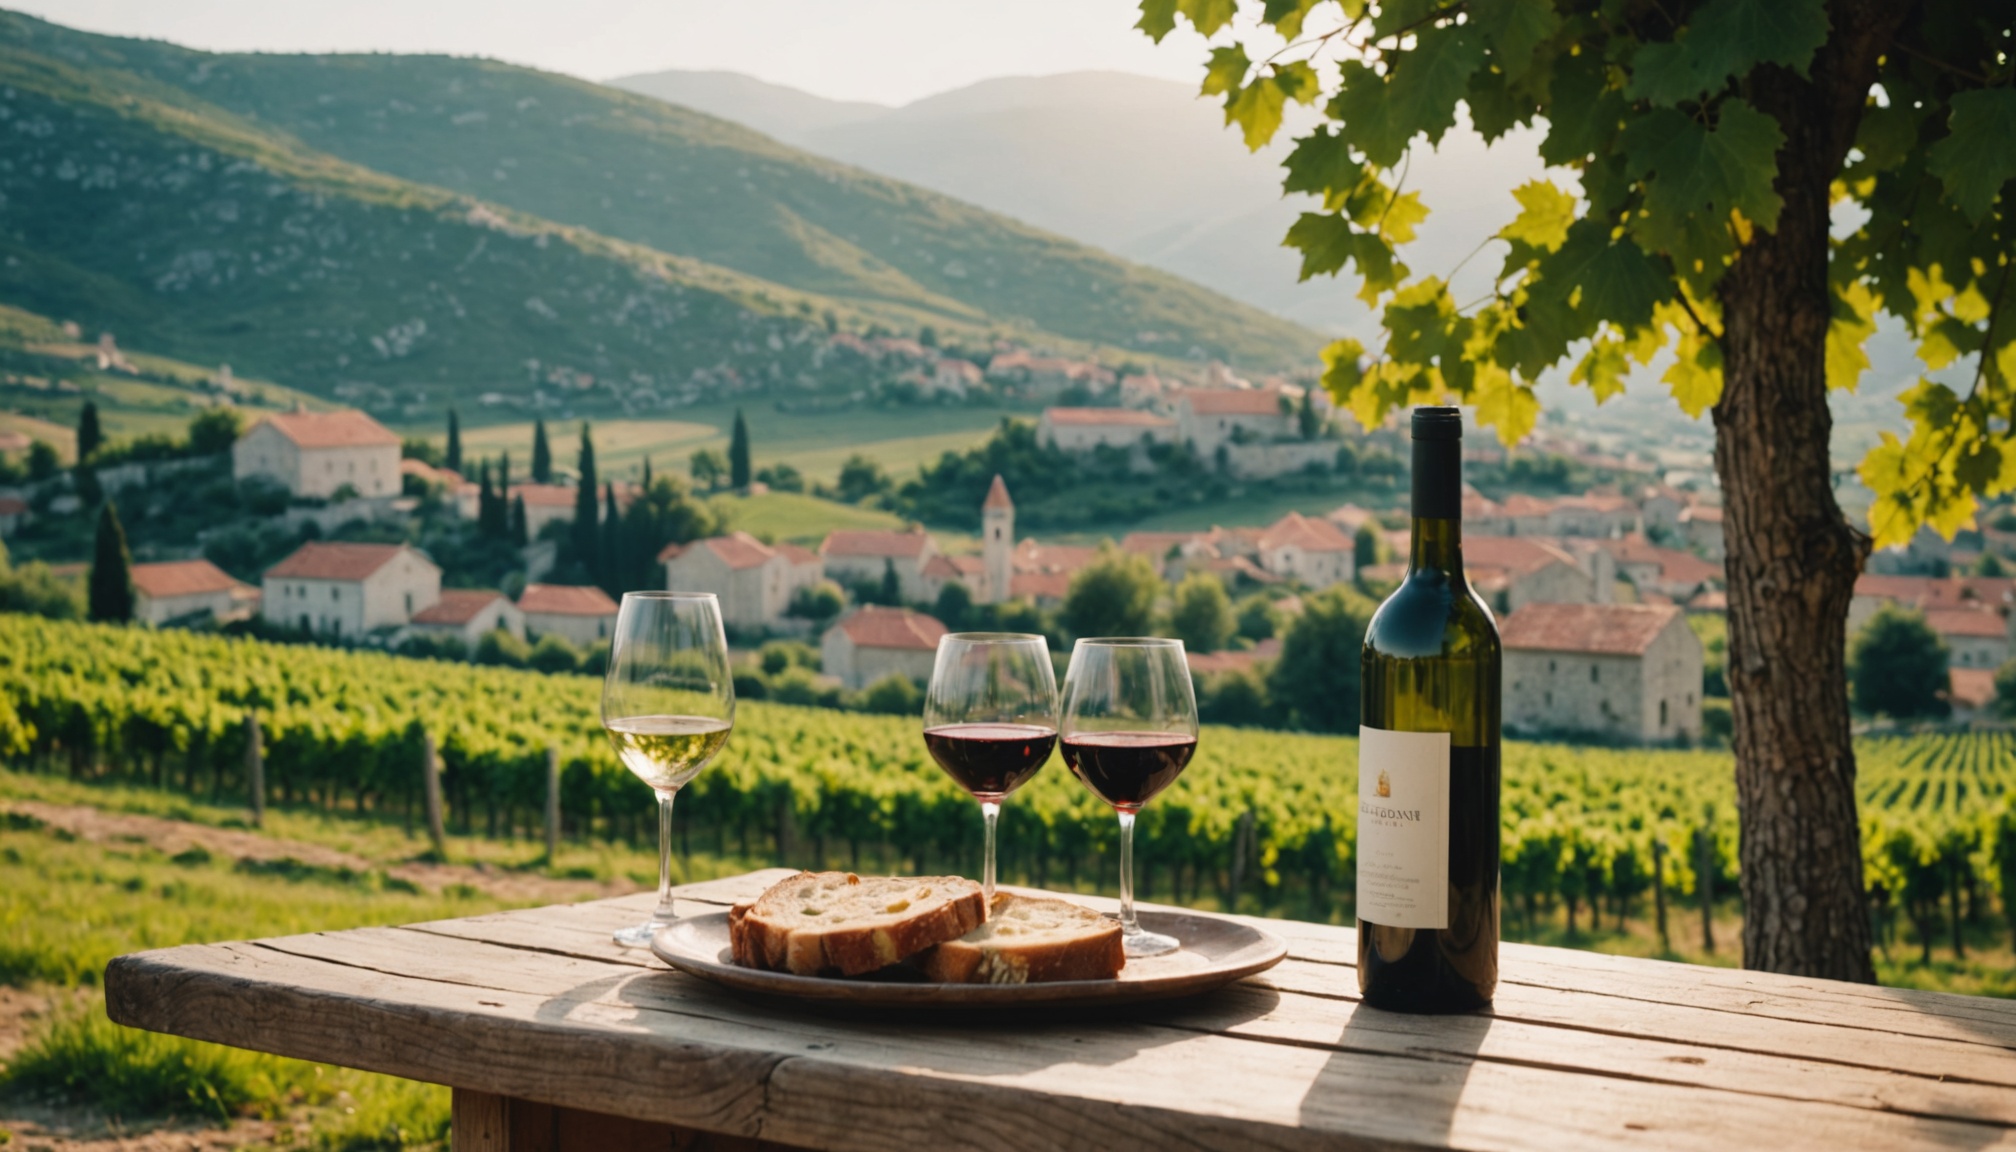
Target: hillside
{"x": 635, "y": 169}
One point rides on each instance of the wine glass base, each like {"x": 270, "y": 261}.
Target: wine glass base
{"x": 1141, "y": 945}
{"x": 639, "y": 936}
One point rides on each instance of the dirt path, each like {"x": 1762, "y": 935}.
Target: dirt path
{"x": 173, "y": 836}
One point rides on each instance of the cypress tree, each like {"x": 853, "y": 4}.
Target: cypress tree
{"x": 892, "y": 584}
{"x": 614, "y": 578}
{"x": 486, "y": 501}
{"x": 542, "y": 454}
{"x": 503, "y": 486}
{"x": 519, "y": 536}
{"x": 647, "y": 473}
{"x": 738, "y": 453}
{"x": 452, "y": 460}
{"x": 111, "y": 589}
{"x": 585, "y": 541}
{"x": 90, "y": 437}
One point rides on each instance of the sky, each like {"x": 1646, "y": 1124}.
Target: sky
{"x": 886, "y": 51}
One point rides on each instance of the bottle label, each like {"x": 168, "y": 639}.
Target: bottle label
{"x": 1403, "y": 828}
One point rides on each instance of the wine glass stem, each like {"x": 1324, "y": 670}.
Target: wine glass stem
{"x": 664, "y": 913}
{"x": 990, "y": 811}
{"x": 1128, "y": 925}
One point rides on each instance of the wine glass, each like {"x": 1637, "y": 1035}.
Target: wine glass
{"x": 668, "y": 703}
{"x": 1129, "y": 727}
{"x": 990, "y": 719}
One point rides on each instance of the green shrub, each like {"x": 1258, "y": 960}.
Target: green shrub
{"x": 83, "y": 1056}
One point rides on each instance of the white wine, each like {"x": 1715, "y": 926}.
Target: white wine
{"x": 667, "y": 751}
{"x": 1428, "y": 761}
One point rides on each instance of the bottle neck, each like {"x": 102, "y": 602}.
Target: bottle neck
{"x": 1438, "y": 506}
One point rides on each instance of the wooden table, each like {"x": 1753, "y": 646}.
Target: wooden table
{"x": 554, "y": 1038}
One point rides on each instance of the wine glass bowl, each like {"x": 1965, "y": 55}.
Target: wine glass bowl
{"x": 1128, "y": 727}
{"x": 990, "y": 719}
{"x": 668, "y": 705}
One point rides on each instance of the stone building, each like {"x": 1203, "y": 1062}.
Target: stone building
{"x": 582, "y": 614}
{"x": 1208, "y": 417}
{"x": 189, "y": 590}
{"x": 1316, "y": 552}
{"x": 1511, "y": 572}
{"x": 317, "y": 454}
{"x": 1083, "y": 429}
{"x": 544, "y": 504}
{"x": 344, "y": 591}
{"x": 1701, "y": 528}
{"x": 468, "y": 614}
{"x": 754, "y": 581}
{"x": 1624, "y": 672}
{"x": 1975, "y": 637}
{"x": 874, "y": 642}
{"x": 858, "y": 556}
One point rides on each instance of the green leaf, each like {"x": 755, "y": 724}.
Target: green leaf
{"x": 1321, "y": 163}
{"x": 1297, "y": 81}
{"x": 1418, "y": 96}
{"x": 1256, "y": 108}
{"x": 1696, "y": 374}
{"x": 1727, "y": 38}
{"x": 1158, "y": 18}
{"x": 1328, "y": 242}
{"x": 1603, "y": 368}
{"x": 1853, "y": 322}
{"x": 1287, "y": 15}
{"x": 1209, "y": 15}
{"x": 1688, "y": 169}
{"x": 1226, "y": 70}
{"x": 1976, "y": 158}
{"x": 1545, "y": 212}
{"x": 1504, "y": 403}
{"x": 1583, "y": 112}
{"x": 1606, "y": 279}
{"x": 1515, "y": 28}
{"x": 1343, "y": 369}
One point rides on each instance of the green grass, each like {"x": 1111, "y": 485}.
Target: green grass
{"x": 798, "y": 518}
{"x": 1257, "y": 504}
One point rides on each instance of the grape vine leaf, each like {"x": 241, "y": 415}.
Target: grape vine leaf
{"x": 1727, "y": 38}
{"x": 1977, "y": 158}
{"x": 1515, "y": 28}
{"x": 1417, "y": 96}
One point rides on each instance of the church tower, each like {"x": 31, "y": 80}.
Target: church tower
{"x": 997, "y": 547}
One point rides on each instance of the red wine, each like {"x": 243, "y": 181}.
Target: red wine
{"x": 1128, "y": 769}
{"x": 990, "y": 760}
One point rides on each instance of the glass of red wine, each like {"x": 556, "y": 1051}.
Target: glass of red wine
{"x": 990, "y": 718}
{"x": 1130, "y": 727}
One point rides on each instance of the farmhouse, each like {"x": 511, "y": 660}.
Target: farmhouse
{"x": 1298, "y": 547}
{"x": 1511, "y": 572}
{"x": 1676, "y": 575}
{"x": 544, "y": 504}
{"x": 1927, "y": 594}
{"x": 874, "y": 642}
{"x": 189, "y": 589}
{"x": 753, "y": 580}
{"x": 1208, "y": 417}
{"x": 582, "y": 614}
{"x": 1627, "y": 672}
{"x": 1083, "y": 429}
{"x": 1975, "y": 637}
{"x": 467, "y": 614}
{"x": 861, "y": 556}
{"x": 344, "y": 591}
{"x": 317, "y": 454}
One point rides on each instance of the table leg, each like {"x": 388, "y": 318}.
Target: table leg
{"x": 484, "y": 1122}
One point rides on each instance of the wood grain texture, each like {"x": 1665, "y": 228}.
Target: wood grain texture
{"x": 1580, "y": 1052}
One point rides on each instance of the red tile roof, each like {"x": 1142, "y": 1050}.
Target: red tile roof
{"x": 1351, "y": 517}
{"x": 1971, "y": 687}
{"x": 738, "y": 550}
{"x": 796, "y": 555}
{"x": 1031, "y": 556}
{"x": 457, "y": 606}
{"x": 348, "y": 562}
{"x": 544, "y": 495}
{"x": 1206, "y": 663}
{"x": 876, "y": 627}
{"x": 1937, "y": 591}
{"x": 874, "y": 543}
{"x": 346, "y": 428}
{"x": 1300, "y": 531}
{"x": 997, "y": 495}
{"x": 565, "y": 600}
{"x": 1701, "y": 514}
{"x": 1978, "y": 622}
{"x": 1039, "y": 585}
{"x": 943, "y": 567}
{"x": 12, "y": 506}
{"x": 1155, "y": 545}
{"x": 1604, "y": 629}
{"x": 1514, "y": 554}
{"x": 1131, "y": 417}
{"x": 182, "y": 578}
{"x": 1233, "y": 401}
{"x": 1674, "y": 566}
{"x": 1520, "y": 504}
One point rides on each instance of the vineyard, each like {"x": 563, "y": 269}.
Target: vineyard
{"x": 1261, "y": 817}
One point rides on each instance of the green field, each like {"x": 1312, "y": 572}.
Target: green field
{"x": 798, "y": 518}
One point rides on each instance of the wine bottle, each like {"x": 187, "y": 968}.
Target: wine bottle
{"x": 1428, "y": 761}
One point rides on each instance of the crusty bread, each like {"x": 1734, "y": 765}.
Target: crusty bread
{"x": 818, "y": 922}
{"x": 1030, "y": 940}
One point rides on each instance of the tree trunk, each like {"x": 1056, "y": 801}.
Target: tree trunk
{"x": 1792, "y": 557}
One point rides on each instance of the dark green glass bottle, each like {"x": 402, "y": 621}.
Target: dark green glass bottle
{"x": 1428, "y": 761}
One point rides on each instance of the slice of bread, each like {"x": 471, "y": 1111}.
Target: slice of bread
{"x": 823, "y": 922}
{"x": 1030, "y": 940}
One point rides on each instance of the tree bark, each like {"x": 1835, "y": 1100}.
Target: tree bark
{"x": 1792, "y": 556}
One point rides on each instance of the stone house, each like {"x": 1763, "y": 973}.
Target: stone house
{"x": 1928, "y": 594}
{"x": 754, "y": 581}
{"x": 1511, "y": 572}
{"x": 1083, "y": 429}
{"x": 944, "y": 568}
{"x": 189, "y": 589}
{"x": 544, "y": 504}
{"x": 1316, "y": 552}
{"x": 1659, "y": 509}
{"x": 1625, "y": 672}
{"x": 468, "y": 614}
{"x": 1701, "y": 528}
{"x": 873, "y": 642}
{"x": 858, "y": 556}
{"x": 1208, "y": 417}
{"x": 1669, "y": 572}
{"x": 581, "y": 614}
{"x": 1975, "y": 637}
{"x": 1598, "y": 514}
{"x": 458, "y": 494}
{"x": 316, "y": 454}
{"x": 344, "y": 591}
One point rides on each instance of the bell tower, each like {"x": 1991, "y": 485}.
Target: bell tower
{"x": 997, "y": 546}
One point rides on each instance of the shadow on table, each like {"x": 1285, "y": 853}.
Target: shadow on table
{"x": 1423, "y": 1088}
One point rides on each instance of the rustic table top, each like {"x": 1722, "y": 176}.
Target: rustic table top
{"x": 1581, "y": 1050}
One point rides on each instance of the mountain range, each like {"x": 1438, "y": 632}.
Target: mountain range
{"x": 384, "y": 220}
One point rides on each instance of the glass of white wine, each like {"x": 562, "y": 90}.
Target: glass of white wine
{"x": 668, "y": 703}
